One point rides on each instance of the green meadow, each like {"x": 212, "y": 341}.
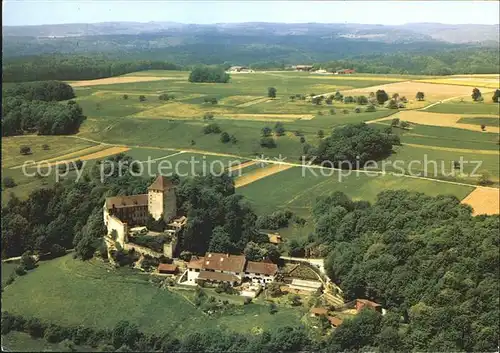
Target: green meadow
{"x": 297, "y": 188}
{"x": 53, "y": 292}
{"x": 466, "y": 108}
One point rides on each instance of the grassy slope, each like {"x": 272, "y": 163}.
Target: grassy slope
{"x": 124, "y": 294}
{"x": 466, "y": 108}
{"x": 297, "y": 188}
{"x": 480, "y": 121}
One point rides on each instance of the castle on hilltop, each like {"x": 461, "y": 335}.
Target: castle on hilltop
{"x": 120, "y": 213}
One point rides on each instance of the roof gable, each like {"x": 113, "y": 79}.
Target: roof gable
{"x": 161, "y": 183}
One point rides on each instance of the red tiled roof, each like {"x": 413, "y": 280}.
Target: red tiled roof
{"x": 218, "y": 276}
{"x": 161, "y": 183}
{"x": 196, "y": 263}
{"x": 167, "y": 268}
{"x": 224, "y": 262}
{"x": 126, "y": 201}
{"x": 319, "y": 311}
{"x": 335, "y": 321}
{"x": 368, "y": 302}
{"x": 262, "y": 268}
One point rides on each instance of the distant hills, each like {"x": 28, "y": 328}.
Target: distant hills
{"x": 466, "y": 33}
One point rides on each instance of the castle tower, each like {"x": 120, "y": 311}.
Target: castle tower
{"x": 161, "y": 199}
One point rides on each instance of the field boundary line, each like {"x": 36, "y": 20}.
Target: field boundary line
{"x": 294, "y": 164}
{"x": 450, "y": 149}
{"x": 164, "y": 157}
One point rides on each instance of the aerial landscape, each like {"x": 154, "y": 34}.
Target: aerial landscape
{"x": 279, "y": 177}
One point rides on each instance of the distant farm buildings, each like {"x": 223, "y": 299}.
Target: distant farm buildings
{"x": 234, "y": 69}
{"x": 344, "y": 72}
{"x": 302, "y": 67}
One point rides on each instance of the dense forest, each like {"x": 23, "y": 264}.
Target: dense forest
{"x": 417, "y": 58}
{"x": 426, "y": 259}
{"x": 74, "y": 67}
{"x": 33, "y": 107}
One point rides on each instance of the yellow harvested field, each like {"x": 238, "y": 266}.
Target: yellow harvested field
{"x": 438, "y": 119}
{"x": 448, "y": 149}
{"x": 267, "y": 117}
{"x": 104, "y": 153}
{"x": 83, "y": 152}
{"x": 238, "y": 100}
{"x": 119, "y": 79}
{"x": 466, "y": 81}
{"x": 484, "y": 201}
{"x": 259, "y": 174}
{"x": 240, "y": 166}
{"x": 255, "y": 101}
{"x": 95, "y": 155}
{"x": 410, "y": 88}
{"x": 355, "y": 78}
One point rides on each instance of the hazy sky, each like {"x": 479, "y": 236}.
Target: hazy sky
{"x": 35, "y": 12}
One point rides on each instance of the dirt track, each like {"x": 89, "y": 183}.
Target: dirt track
{"x": 484, "y": 201}
{"x": 259, "y": 174}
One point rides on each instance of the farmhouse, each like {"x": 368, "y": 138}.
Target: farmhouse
{"x": 232, "y": 269}
{"x": 364, "y": 303}
{"x": 344, "y": 72}
{"x": 335, "y": 321}
{"x": 302, "y": 67}
{"x": 239, "y": 69}
{"x": 167, "y": 268}
{"x": 125, "y": 216}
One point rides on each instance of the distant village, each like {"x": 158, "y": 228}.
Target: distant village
{"x": 304, "y": 68}
{"x": 126, "y": 216}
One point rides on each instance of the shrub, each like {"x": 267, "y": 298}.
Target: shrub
{"x": 266, "y": 131}
{"x": 9, "y": 182}
{"x": 279, "y": 129}
{"x": 370, "y": 108}
{"x": 20, "y": 270}
{"x": 267, "y": 142}
{"x": 165, "y": 97}
{"x": 45, "y": 147}
{"x": 273, "y": 309}
{"x": 332, "y": 111}
{"x": 211, "y": 129}
{"x": 271, "y": 92}
{"x": 125, "y": 96}
{"x": 142, "y": 98}
{"x": 357, "y": 110}
{"x": 57, "y": 250}
{"x": 224, "y": 137}
{"x": 208, "y": 116}
{"x": 25, "y": 150}
{"x": 321, "y": 134}
{"x": 233, "y": 139}
{"x": 302, "y": 139}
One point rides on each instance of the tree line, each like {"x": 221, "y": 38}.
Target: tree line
{"x": 126, "y": 337}
{"x": 33, "y": 107}
{"x": 75, "y": 67}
